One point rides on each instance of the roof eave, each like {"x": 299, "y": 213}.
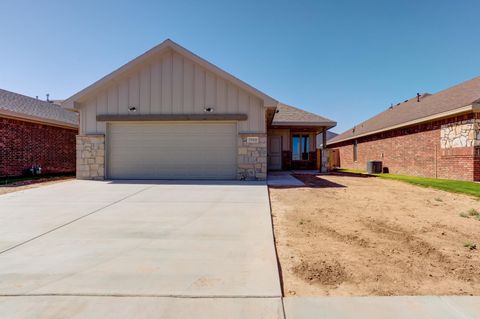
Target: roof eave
{"x": 475, "y": 107}
{"x": 36, "y": 119}
{"x": 164, "y": 46}
{"x": 328, "y": 124}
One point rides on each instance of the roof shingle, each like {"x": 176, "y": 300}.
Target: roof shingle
{"x": 289, "y": 115}
{"x": 27, "y": 106}
{"x": 458, "y": 96}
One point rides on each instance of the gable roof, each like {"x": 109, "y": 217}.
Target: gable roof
{"x": 287, "y": 115}
{"x": 319, "y": 139}
{"x": 25, "y": 107}
{"x": 163, "y": 47}
{"x": 457, "y": 99}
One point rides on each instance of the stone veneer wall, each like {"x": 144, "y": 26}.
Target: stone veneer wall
{"x": 91, "y": 157}
{"x": 252, "y": 157}
{"x": 460, "y": 134}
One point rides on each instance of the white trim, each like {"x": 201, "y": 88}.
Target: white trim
{"x": 164, "y": 46}
{"x": 36, "y": 119}
{"x": 463, "y": 109}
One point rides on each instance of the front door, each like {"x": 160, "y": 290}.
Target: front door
{"x": 274, "y": 152}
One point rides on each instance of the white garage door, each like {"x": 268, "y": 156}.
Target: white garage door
{"x": 152, "y": 150}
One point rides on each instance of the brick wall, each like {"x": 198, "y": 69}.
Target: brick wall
{"x": 415, "y": 150}
{"x": 23, "y": 144}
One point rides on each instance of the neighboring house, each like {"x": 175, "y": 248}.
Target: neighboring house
{"x": 429, "y": 135}
{"x": 35, "y": 133}
{"x": 170, "y": 114}
{"x": 329, "y": 136}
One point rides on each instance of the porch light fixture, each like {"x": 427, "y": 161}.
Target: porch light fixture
{"x": 208, "y": 109}
{"x": 132, "y": 108}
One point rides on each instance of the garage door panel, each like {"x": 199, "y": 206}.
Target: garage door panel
{"x": 172, "y": 150}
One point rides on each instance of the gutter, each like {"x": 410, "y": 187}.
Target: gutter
{"x": 306, "y": 124}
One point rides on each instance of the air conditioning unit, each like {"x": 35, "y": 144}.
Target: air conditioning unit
{"x": 374, "y": 167}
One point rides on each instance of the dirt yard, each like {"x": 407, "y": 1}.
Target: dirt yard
{"x": 357, "y": 236}
{"x": 27, "y": 184}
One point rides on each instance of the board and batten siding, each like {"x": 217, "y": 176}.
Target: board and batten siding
{"x": 171, "y": 84}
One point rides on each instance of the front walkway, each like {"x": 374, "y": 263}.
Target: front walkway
{"x": 283, "y": 178}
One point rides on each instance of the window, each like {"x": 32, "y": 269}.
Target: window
{"x": 355, "y": 150}
{"x": 300, "y": 147}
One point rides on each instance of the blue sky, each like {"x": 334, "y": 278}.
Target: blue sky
{"x": 346, "y": 60}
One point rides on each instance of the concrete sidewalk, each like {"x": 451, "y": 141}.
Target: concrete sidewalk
{"x": 421, "y": 307}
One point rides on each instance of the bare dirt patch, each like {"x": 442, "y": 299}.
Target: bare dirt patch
{"x": 34, "y": 183}
{"x": 348, "y": 235}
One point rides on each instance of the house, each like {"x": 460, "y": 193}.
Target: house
{"x": 330, "y": 135}
{"x": 430, "y": 135}
{"x": 35, "y": 133}
{"x": 169, "y": 114}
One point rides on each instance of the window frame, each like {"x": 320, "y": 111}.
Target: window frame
{"x": 301, "y": 136}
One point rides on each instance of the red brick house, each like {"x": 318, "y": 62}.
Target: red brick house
{"x": 430, "y": 135}
{"x": 35, "y": 132}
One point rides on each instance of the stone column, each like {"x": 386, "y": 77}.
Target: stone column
{"x": 252, "y": 156}
{"x": 91, "y": 157}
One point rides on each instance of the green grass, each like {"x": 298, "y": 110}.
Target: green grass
{"x": 11, "y": 180}
{"x": 470, "y": 245}
{"x": 463, "y": 187}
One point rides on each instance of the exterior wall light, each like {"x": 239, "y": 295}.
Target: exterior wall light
{"x": 208, "y": 109}
{"x": 132, "y": 108}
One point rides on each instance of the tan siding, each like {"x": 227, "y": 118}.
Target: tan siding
{"x": 199, "y": 88}
{"x": 167, "y": 84}
{"x": 210, "y": 90}
{"x": 221, "y": 98}
{"x": 188, "y": 86}
{"x": 232, "y": 99}
{"x": 123, "y": 97}
{"x": 243, "y": 107}
{"x": 177, "y": 84}
{"x": 112, "y": 100}
{"x": 102, "y": 104}
{"x": 173, "y": 84}
{"x": 155, "y": 87}
{"x": 90, "y": 116}
{"x": 145, "y": 90}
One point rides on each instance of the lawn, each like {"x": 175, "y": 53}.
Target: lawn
{"x": 464, "y": 187}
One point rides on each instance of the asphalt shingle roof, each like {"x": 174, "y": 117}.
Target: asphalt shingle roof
{"x": 21, "y": 104}
{"x": 455, "y": 97}
{"x": 289, "y": 115}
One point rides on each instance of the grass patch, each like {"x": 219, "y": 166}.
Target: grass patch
{"x": 463, "y": 187}
{"x": 473, "y": 212}
{"x": 470, "y": 245}
{"x": 12, "y": 180}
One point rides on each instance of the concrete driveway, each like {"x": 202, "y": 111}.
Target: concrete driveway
{"x": 83, "y": 249}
